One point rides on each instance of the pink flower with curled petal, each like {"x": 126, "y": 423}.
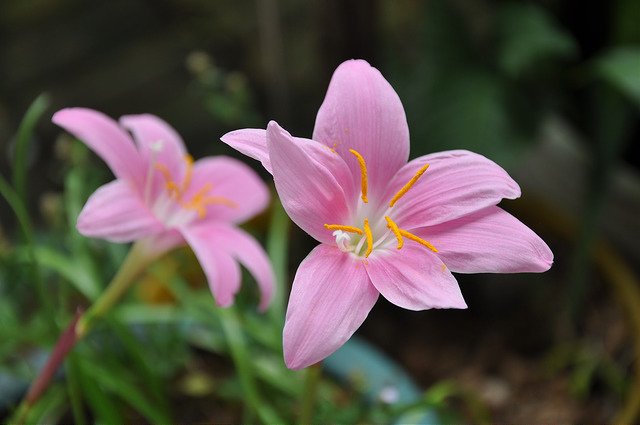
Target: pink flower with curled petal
{"x": 386, "y": 226}
{"x": 163, "y": 198}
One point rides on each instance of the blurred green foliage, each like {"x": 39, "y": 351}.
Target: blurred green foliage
{"x": 477, "y": 75}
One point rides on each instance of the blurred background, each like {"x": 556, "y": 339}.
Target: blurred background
{"x": 548, "y": 89}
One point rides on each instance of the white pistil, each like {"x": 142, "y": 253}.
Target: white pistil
{"x": 342, "y": 240}
{"x": 156, "y": 148}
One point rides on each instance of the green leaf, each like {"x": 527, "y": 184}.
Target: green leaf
{"x": 150, "y": 314}
{"x": 118, "y": 381}
{"x": 620, "y": 67}
{"x": 81, "y": 278}
{"x": 103, "y": 407}
{"x": 528, "y": 37}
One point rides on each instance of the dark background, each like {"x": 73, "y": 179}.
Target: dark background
{"x": 527, "y": 84}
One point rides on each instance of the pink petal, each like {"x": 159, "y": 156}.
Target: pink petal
{"x": 232, "y": 180}
{"x": 158, "y": 244}
{"x": 313, "y": 182}
{"x": 489, "y": 241}
{"x": 116, "y": 213}
{"x": 107, "y": 139}
{"x": 250, "y": 254}
{"x": 456, "y": 183}
{"x": 413, "y": 278}
{"x": 150, "y": 131}
{"x": 221, "y": 270}
{"x": 251, "y": 142}
{"x": 361, "y": 111}
{"x": 330, "y": 298}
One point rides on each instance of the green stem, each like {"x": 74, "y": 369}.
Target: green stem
{"x": 309, "y": 397}
{"x": 277, "y": 248}
{"x": 136, "y": 261}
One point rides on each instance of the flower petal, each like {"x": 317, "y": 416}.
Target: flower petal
{"x": 222, "y": 271}
{"x": 250, "y": 254}
{"x": 413, "y": 278}
{"x": 150, "y": 131}
{"x": 251, "y": 142}
{"x": 107, "y": 139}
{"x": 158, "y": 244}
{"x": 313, "y": 182}
{"x": 489, "y": 241}
{"x": 231, "y": 180}
{"x": 116, "y": 213}
{"x": 330, "y": 298}
{"x": 456, "y": 183}
{"x": 361, "y": 111}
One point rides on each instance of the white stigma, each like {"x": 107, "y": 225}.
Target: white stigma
{"x": 342, "y": 240}
{"x": 156, "y": 148}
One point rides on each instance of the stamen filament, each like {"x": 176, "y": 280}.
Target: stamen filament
{"x": 414, "y": 238}
{"x": 394, "y": 228}
{"x": 170, "y": 185}
{"x": 155, "y": 149}
{"x": 200, "y": 193}
{"x": 407, "y": 186}
{"x": 188, "y": 159}
{"x": 363, "y": 172}
{"x": 343, "y": 228}
{"x": 218, "y": 200}
{"x": 367, "y": 231}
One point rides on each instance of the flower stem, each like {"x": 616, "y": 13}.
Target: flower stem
{"x": 310, "y": 393}
{"x": 65, "y": 343}
{"x": 136, "y": 260}
{"x": 133, "y": 264}
{"x": 277, "y": 248}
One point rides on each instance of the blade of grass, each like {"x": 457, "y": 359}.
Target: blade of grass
{"x": 103, "y": 408}
{"x": 31, "y": 118}
{"x": 74, "y": 389}
{"x": 152, "y": 380}
{"x": 117, "y": 381}
{"x": 24, "y": 222}
{"x": 238, "y": 349}
{"x": 278, "y": 248}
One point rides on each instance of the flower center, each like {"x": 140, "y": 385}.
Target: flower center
{"x": 341, "y": 232}
{"x": 200, "y": 199}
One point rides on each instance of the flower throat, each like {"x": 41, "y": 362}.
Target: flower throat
{"x": 341, "y": 232}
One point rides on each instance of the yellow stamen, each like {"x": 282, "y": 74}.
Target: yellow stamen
{"x": 172, "y": 187}
{"x": 417, "y": 239}
{"x": 394, "y": 228}
{"x": 363, "y": 171}
{"x": 203, "y": 191}
{"x": 343, "y": 228}
{"x": 218, "y": 200}
{"x": 188, "y": 159}
{"x": 408, "y": 185}
{"x": 175, "y": 191}
{"x": 367, "y": 231}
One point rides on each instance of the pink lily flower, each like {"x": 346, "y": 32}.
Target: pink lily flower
{"x": 385, "y": 226}
{"x": 164, "y": 199}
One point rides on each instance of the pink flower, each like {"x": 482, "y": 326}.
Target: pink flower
{"x": 163, "y": 198}
{"x": 386, "y": 226}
